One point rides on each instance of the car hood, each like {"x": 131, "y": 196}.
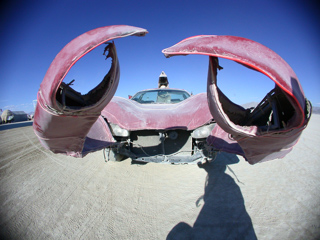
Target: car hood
{"x": 131, "y": 115}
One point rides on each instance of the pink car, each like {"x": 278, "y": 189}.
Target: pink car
{"x": 169, "y": 125}
{"x": 161, "y": 125}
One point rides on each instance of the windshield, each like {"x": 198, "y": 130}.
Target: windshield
{"x": 164, "y": 96}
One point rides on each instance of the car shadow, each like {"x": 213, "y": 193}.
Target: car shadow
{"x": 223, "y": 214}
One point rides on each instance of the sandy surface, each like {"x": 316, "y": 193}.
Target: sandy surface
{"x": 48, "y": 196}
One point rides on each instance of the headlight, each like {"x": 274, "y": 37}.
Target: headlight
{"x": 118, "y": 131}
{"x": 203, "y": 132}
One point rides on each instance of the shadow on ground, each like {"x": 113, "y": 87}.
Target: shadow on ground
{"x": 223, "y": 215}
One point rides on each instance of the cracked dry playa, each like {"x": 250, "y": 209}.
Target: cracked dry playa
{"x": 46, "y": 195}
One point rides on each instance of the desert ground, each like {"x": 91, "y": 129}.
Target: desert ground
{"x": 49, "y": 196}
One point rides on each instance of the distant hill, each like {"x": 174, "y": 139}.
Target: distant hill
{"x": 316, "y": 110}
{"x": 250, "y": 104}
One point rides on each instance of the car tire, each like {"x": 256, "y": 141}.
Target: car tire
{"x": 114, "y": 156}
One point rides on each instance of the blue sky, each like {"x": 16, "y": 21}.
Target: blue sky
{"x": 33, "y": 32}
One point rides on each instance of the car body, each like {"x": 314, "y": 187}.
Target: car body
{"x": 68, "y": 122}
{"x": 160, "y": 125}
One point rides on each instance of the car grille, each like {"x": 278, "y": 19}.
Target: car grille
{"x": 149, "y": 143}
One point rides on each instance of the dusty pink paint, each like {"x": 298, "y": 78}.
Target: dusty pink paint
{"x": 188, "y": 114}
{"x": 256, "y": 146}
{"x": 64, "y": 130}
{"x": 78, "y": 132}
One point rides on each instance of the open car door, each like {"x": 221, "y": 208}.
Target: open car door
{"x": 66, "y": 121}
{"x": 271, "y": 129}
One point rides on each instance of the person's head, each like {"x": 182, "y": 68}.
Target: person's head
{"x": 163, "y": 80}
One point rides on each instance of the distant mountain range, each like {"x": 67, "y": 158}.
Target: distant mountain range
{"x": 250, "y": 105}
{"x": 316, "y": 110}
